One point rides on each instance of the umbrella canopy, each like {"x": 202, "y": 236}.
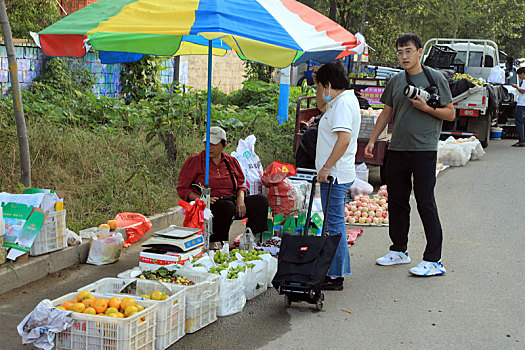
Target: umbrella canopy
{"x": 273, "y": 32}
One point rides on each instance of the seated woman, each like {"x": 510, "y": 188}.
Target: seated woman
{"x": 228, "y": 193}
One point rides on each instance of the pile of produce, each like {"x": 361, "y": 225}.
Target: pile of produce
{"x": 368, "y": 211}
{"x": 86, "y": 303}
{"x": 475, "y": 81}
{"x": 167, "y": 276}
{"x": 222, "y": 262}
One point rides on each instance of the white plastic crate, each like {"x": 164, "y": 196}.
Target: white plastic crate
{"x": 206, "y": 284}
{"x": 201, "y": 298}
{"x": 201, "y": 314}
{"x": 52, "y": 236}
{"x": 93, "y": 332}
{"x": 170, "y": 312}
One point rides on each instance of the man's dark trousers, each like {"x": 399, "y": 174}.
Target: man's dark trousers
{"x": 401, "y": 167}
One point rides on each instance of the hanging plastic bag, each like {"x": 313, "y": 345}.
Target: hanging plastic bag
{"x": 250, "y": 164}
{"x": 361, "y": 172}
{"x": 193, "y": 214}
{"x": 105, "y": 248}
{"x": 136, "y": 226}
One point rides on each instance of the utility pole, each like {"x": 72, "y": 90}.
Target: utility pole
{"x": 23, "y": 145}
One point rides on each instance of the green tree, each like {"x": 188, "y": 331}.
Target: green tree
{"x": 31, "y": 15}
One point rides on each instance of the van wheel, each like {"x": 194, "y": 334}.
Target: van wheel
{"x": 485, "y": 143}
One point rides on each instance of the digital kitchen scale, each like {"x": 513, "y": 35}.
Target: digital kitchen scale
{"x": 175, "y": 238}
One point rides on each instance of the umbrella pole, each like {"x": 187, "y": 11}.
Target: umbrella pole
{"x": 206, "y": 193}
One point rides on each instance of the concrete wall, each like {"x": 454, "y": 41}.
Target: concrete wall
{"x": 227, "y": 71}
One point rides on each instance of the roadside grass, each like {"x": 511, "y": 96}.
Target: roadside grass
{"x": 103, "y": 172}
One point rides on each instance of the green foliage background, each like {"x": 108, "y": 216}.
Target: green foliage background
{"x": 502, "y": 21}
{"x": 109, "y": 155}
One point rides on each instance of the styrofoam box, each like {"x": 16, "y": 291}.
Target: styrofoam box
{"x": 93, "y": 332}
{"x": 201, "y": 314}
{"x": 52, "y": 236}
{"x": 170, "y": 312}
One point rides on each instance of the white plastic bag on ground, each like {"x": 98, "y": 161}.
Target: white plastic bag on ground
{"x": 232, "y": 298}
{"x": 361, "y": 172}
{"x": 256, "y": 277}
{"x": 360, "y": 187}
{"x": 452, "y": 153}
{"x": 250, "y": 164}
{"x": 272, "y": 267}
{"x": 41, "y": 325}
{"x": 247, "y": 240}
{"x": 105, "y": 248}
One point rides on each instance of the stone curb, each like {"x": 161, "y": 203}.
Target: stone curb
{"x": 15, "y": 274}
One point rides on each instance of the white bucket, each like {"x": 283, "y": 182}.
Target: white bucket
{"x": 495, "y": 133}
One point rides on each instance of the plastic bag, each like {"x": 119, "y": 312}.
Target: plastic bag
{"x": 72, "y": 238}
{"x": 136, "y": 226}
{"x": 41, "y": 325}
{"x": 232, "y": 298}
{"x": 360, "y": 187}
{"x": 452, "y": 153}
{"x": 193, "y": 213}
{"x": 281, "y": 198}
{"x": 272, "y": 266}
{"x": 277, "y": 172}
{"x": 250, "y": 164}
{"x": 361, "y": 172}
{"x": 247, "y": 240}
{"x": 105, "y": 248}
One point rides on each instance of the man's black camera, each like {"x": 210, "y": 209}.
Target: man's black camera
{"x": 429, "y": 95}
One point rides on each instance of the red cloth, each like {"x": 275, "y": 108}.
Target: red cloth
{"x": 193, "y": 172}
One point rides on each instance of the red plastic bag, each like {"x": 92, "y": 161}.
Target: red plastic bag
{"x": 136, "y": 226}
{"x": 281, "y": 198}
{"x": 193, "y": 214}
{"x": 277, "y": 172}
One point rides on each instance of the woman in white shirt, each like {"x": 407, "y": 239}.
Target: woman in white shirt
{"x": 335, "y": 156}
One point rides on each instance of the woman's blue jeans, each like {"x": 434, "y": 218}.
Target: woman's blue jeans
{"x": 335, "y": 221}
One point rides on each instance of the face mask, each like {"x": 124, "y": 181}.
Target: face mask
{"x": 327, "y": 98}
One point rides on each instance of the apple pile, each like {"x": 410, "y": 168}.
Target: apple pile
{"x": 366, "y": 210}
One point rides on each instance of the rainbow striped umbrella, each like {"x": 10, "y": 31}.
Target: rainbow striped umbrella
{"x": 273, "y": 32}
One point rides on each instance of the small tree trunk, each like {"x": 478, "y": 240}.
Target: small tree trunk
{"x": 333, "y": 10}
{"x": 23, "y": 145}
{"x": 171, "y": 148}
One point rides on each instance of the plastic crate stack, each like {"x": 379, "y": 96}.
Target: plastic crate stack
{"x": 52, "y": 236}
{"x": 440, "y": 56}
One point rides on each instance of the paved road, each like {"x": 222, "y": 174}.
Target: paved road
{"x": 478, "y": 304}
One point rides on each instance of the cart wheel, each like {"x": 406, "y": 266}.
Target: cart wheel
{"x": 319, "y": 305}
{"x": 312, "y": 294}
{"x": 287, "y": 301}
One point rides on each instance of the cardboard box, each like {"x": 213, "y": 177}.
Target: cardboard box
{"x": 154, "y": 259}
{"x": 22, "y": 225}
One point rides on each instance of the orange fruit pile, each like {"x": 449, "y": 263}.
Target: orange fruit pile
{"x": 86, "y": 303}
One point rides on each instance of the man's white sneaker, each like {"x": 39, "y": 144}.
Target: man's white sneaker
{"x": 428, "y": 268}
{"x": 393, "y": 258}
